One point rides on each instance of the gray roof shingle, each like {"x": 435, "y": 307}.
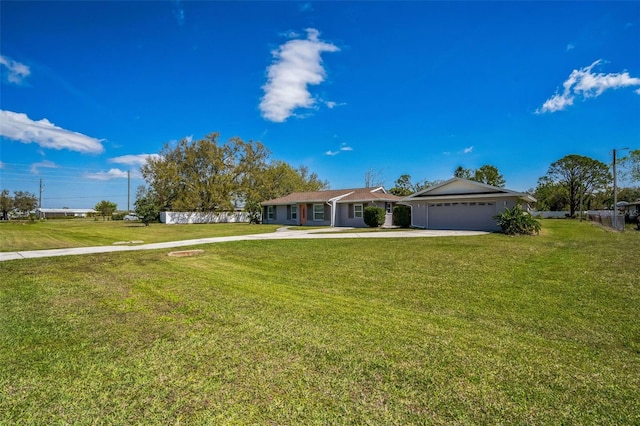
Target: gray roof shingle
{"x": 347, "y": 196}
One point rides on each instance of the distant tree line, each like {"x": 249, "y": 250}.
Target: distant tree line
{"x": 576, "y": 183}
{"x": 571, "y": 183}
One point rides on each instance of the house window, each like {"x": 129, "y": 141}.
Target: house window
{"x": 270, "y": 214}
{"x": 318, "y": 212}
{"x": 357, "y": 210}
{"x": 294, "y": 212}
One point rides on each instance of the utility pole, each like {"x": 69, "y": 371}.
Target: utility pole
{"x": 128, "y": 190}
{"x": 40, "y": 198}
{"x": 615, "y": 194}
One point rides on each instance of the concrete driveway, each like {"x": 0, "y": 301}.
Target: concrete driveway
{"x": 280, "y": 234}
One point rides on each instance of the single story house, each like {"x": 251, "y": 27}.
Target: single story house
{"x": 462, "y": 204}
{"x": 335, "y": 207}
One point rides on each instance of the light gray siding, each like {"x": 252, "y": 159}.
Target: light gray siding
{"x": 281, "y": 215}
{"x": 311, "y": 217}
{"x": 346, "y": 213}
{"x": 465, "y": 214}
{"x": 346, "y": 217}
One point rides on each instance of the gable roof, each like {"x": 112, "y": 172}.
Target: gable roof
{"x": 464, "y": 188}
{"x": 338, "y": 195}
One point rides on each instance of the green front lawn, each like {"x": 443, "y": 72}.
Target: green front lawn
{"x": 59, "y": 233}
{"x": 463, "y": 330}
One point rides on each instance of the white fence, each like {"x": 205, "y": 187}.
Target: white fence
{"x": 604, "y": 217}
{"x": 172, "y": 218}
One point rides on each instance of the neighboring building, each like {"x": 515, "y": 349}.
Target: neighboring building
{"x": 335, "y": 207}
{"x": 55, "y": 213}
{"x": 631, "y": 209}
{"x": 462, "y": 204}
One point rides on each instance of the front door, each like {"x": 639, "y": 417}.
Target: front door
{"x": 303, "y": 214}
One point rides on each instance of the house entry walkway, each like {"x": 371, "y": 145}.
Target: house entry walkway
{"x": 280, "y": 234}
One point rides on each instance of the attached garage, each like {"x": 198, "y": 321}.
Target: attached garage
{"x": 462, "y": 215}
{"x": 461, "y": 204}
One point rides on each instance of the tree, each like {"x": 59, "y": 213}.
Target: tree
{"x": 487, "y": 174}
{"x": 254, "y": 209}
{"x": 628, "y": 194}
{"x": 404, "y": 186}
{"x": 205, "y": 175}
{"x": 550, "y": 195}
{"x": 6, "y": 204}
{"x": 279, "y": 179}
{"x": 631, "y": 166}
{"x": 373, "y": 178}
{"x": 105, "y": 208}
{"x": 463, "y": 173}
{"x": 580, "y": 176}
{"x": 146, "y": 206}
{"x": 24, "y": 202}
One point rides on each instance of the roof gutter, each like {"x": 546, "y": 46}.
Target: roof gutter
{"x": 332, "y": 203}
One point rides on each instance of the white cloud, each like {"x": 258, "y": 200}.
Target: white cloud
{"x": 290, "y": 34}
{"x": 133, "y": 160}
{"x": 343, "y": 147}
{"x": 583, "y": 83}
{"x": 35, "y": 167}
{"x": 19, "y": 127}
{"x": 297, "y": 64}
{"x": 16, "y": 71}
{"x": 111, "y": 174}
{"x": 467, "y": 150}
{"x": 332, "y": 105}
{"x": 570, "y": 46}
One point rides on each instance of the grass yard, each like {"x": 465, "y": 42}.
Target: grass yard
{"x": 60, "y": 233}
{"x": 456, "y": 330}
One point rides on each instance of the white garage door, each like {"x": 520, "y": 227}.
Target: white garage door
{"x": 471, "y": 215}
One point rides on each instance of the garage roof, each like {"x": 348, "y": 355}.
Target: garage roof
{"x": 458, "y": 188}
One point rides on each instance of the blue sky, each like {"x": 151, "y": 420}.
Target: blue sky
{"x": 89, "y": 89}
